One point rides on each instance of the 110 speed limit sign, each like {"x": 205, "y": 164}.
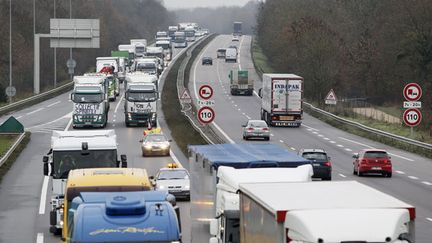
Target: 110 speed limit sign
{"x": 206, "y": 115}
{"x": 412, "y": 117}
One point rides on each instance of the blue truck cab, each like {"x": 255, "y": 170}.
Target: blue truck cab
{"x": 144, "y": 216}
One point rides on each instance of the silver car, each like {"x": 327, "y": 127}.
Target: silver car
{"x": 256, "y": 129}
{"x": 175, "y": 180}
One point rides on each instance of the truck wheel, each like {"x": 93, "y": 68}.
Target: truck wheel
{"x": 127, "y": 123}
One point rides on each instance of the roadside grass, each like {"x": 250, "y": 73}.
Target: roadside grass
{"x": 260, "y": 60}
{"x": 9, "y": 162}
{"x": 6, "y": 141}
{"x": 391, "y": 110}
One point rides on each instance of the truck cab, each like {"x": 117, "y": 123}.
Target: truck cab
{"x": 180, "y": 40}
{"x": 114, "y": 85}
{"x": 140, "y": 46}
{"x": 158, "y": 53}
{"x": 166, "y": 46}
{"x": 149, "y": 65}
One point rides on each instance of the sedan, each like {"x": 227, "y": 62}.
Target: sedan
{"x": 235, "y": 38}
{"x": 372, "y": 161}
{"x": 155, "y": 144}
{"x": 207, "y": 61}
{"x": 256, "y": 129}
{"x": 321, "y": 164}
{"x": 175, "y": 180}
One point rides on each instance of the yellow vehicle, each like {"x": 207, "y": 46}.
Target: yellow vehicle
{"x": 102, "y": 180}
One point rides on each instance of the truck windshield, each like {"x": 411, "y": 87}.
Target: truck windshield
{"x": 146, "y": 66}
{"x": 140, "y": 96}
{"x": 140, "y": 49}
{"x": 179, "y": 39}
{"x": 64, "y": 161}
{"x": 87, "y": 98}
{"x": 164, "y": 46}
{"x": 190, "y": 33}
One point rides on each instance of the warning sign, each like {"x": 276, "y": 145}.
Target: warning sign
{"x": 185, "y": 97}
{"x": 331, "y": 98}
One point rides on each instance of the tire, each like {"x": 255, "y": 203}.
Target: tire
{"x": 354, "y": 171}
{"x": 327, "y": 178}
{"x": 389, "y": 174}
{"x": 358, "y": 172}
{"x": 267, "y": 139}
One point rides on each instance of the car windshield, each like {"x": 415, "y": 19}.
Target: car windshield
{"x": 87, "y": 98}
{"x": 173, "y": 175}
{"x": 375, "y": 154}
{"x": 140, "y": 96}
{"x": 257, "y": 124}
{"x": 155, "y": 138}
{"x": 315, "y": 156}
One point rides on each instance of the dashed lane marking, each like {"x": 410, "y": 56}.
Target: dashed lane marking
{"x": 413, "y": 177}
{"x": 332, "y": 141}
{"x": 427, "y": 183}
{"x": 342, "y": 175}
{"x": 429, "y": 219}
{"x": 400, "y": 172}
{"x": 53, "y": 104}
{"x": 292, "y": 148}
{"x": 32, "y": 112}
{"x": 326, "y": 138}
{"x": 340, "y": 145}
{"x": 281, "y": 141}
{"x": 347, "y": 149}
{"x": 43, "y": 195}
{"x": 314, "y": 129}
{"x": 39, "y": 237}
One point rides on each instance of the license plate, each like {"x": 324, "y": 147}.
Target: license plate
{"x": 87, "y": 123}
{"x": 316, "y": 164}
{"x": 376, "y": 168}
{"x": 287, "y": 118}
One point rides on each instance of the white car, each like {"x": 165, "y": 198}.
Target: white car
{"x": 175, "y": 180}
{"x": 235, "y": 38}
{"x": 256, "y": 129}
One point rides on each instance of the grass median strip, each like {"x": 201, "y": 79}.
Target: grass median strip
{"x": 6, "y": 141}
{"x": 9, "y": 162}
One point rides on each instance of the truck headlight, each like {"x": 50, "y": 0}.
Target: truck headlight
{"x": 129, "y": 116}
{"x": 187, "y": 187}
{"x": 161, "y": 187}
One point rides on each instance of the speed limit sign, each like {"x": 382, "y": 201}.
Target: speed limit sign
{"x": 206, "y": 115}
{"x": 412, "y": 117}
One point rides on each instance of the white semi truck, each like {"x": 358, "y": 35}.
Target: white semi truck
{"x": 342, "y": 211}
{"x": 224, "y": 227}
{"x": 157, "y": 52}
{"x": 141, "y": 97}
{"x": 140, "y": 47}
{"x": 165, "y": 44}
{"x": 149, "y": 65}
{"x": 74, "y": 150}
{"x": 90, "y": 101}
{"x": 114, "y": 84}
{"x": 180, "y": 40}
{"x": 282, "y": 99}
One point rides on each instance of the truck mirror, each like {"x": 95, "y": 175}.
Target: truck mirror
{"x": 151, "y": 177}
{"x": 123, "y": 159}
{"x": 355, "y": 156}
{"x": 46, "y": 169}
{"x": 259, "y": 93}
{"x": 72, "y": 96}
{"x": 45, "y": 159}
{"x": 213, "y": 227}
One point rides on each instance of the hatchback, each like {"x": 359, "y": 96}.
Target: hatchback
{"x": 322, "y": 167}
{"x": 372, "y": 161}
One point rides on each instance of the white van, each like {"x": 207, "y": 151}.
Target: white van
{"x": 231, "y": 55}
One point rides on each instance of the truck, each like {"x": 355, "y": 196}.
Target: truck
{"x": 114, "y": 85}
{"x": 123, "y": 63}
{"x": 140, "y": 47}
{"x": 180, "y": 40}
{"x": 205, "y": 160}
{"x": 73, "y": 150}
{"x": 124, "y": 217}
{"x": 282, "y": 99}
{"x": 90, "y": 101}
{"x": 237, "y": 28}
{"x": 223, "y": 227}
{"x": 149, "y": 65}
{"x": 190, "y": 33}
{"x": 101, "y": 179}
{"x": 130, "y": 49}
{"x": 231, "y": 54}
{"x": 342, "y": 211}
{"x": 161, "y": 34}
{"x": 171, "y": 30}
{"x": 240, "y": 83}
{"x": 157, "y": 52}
{"x": 141, "y": 95}
{"x": 166, "y": 47}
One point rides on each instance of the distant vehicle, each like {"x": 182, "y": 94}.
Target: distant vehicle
{"x": 140, "y": 46}
{"x": 180, "y": 40}
{"x": 221, "y": 53}
{"x": 114, "y": 84}
{"x": 256, "y": 129}
{"x": 171, "y": 30}
{"x": 175, "y": 180}
{"x": 155, "y": 144}
{"x": 237, "y": 26}
{"x": 166, "y": 46}
{"x": 190, "y": 34}
{"x": 231, "y": 55}
{"x": 322, "y": 166}
{"x": 372, "y": 161}
{"x": 161, "y": 34}
{"x": 233, "y": 46}
{"x": 147, "y": 65}
{"x": 207, "y": 61}
{"x": 240, "y": 82}
{"x": 235, "y": 38}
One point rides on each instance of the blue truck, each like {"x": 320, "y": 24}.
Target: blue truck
{"x": 144, "y": 216}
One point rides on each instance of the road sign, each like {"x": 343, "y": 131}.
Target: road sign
{"x": 74, "y": 33}
{"x": 71, "y": 63}
{"x": 185, "y": 97}
{"x": 205, "y": 92}
{"x": 10, "y": 91}
{"x": 331, "y": 98}
{"x": 206, "y": 115}
{"x": 412, "y": 92}
{"x": 412, "y": 117}
{"x": 206, "y": 102}
{"x": 412, "y": 104}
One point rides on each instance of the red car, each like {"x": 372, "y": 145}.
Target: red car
{"x": 372, "y": 161}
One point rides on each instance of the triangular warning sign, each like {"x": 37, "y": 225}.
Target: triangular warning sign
{"x": 331, "y": 95}
{"x": 185, "y": 95}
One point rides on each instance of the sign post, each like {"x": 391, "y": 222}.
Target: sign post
{"x": 412, "y": 116}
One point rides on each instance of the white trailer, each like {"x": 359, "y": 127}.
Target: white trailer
{"x": 282, "y": 99}
{"x": 343, "y": 211}
{"x": 74, "y": 150}
{"x": 223, "y": 226}
{"x": 140, "y": 46}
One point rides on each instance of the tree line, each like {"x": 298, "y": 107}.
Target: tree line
{"x": 120, "y": 20}
{"x": 360, "y": 48}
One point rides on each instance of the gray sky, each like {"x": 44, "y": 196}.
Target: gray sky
{"x": 176, "y": 4}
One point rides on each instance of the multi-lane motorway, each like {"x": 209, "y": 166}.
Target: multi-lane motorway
{"x": 25, "y": 192}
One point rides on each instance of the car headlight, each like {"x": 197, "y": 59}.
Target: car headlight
{"x": 164, "y": 146}
{"x": 147, "y": 146}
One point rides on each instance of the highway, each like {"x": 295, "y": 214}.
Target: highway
{"x": 411, "y": 181}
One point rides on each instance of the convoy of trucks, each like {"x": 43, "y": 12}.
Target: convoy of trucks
{"x": 282, "y": 99}
{"x": 240, "y": 82}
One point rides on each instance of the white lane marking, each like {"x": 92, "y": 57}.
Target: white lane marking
{"x": 320, "y": 135}
{"x": 315, "y": 132}
{"x": 55, "y": 103}
{"x": 292, "y": 148}
{"x": 271, "y": 134}
{"x": 239, "y": 53}
{"x": 176, "y": 160}
{"x": 427, "y": 183}
{"x": 281, "y": 141}
{"x": 340, "y": 145}
{"x": 332, "y": 141}
{"x": 347, "y": 149}
{"x": 19, "y": 117}
{"x": 118, "y": 104}
{"x": 68, "y": 125}
{"x": 114, "y": 120}
{"x": 413, "y": 177}
{"x": 326, "y": 138}
{"x": 235, "y": 105}
{"x": 53, "y": 121}
{"x": 430, "y": 219}
{"x": 37, "y": 110}
{"x": 195, "y": 68}
{"x": 256, "y": 94}
{"x": 39, "y": 237}
{"x": 238, "y": 109}
{"x": 248, "y": 117}
{"x": 395, "y": 155}
{"x": 342, "y": 175}
{"x": 310, "y": 127}
{"x": 43, "y": 195}
{"x": 400, "y": 172}
{"x": 223, "y": 133}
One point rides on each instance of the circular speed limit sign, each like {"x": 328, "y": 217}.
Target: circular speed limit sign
{"x": 412, "y": 117}
{"x": 206, "y": 115}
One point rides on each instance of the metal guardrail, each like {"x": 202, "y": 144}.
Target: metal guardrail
{"x": 35, "y": 98}
{"x": 12, "y": 149}
{"x": 370, "y": 129}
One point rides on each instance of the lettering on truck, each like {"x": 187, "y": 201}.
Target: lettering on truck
{"x": 142, "y": 107}
{"x": 86, "y": 109}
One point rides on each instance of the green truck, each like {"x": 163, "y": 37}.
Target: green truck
{"x": 240, "y": 83}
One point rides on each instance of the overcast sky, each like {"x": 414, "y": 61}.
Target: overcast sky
{"x": 176, "y": 4}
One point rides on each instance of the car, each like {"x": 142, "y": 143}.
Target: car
{"x": 221, "y": 53}
{"x": 174, "y": 179}
{"x": 155, "y": 144}
{"x": 322, "y": 167}
{"x": 235, "y": 38}
{"x": 233, "y": 46}
{"x": 256, "y": 129}
{"x": 372, "y": 161}
{"x": 207, "y": 61}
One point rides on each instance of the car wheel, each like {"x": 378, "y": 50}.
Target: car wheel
{"x": 143, "y": 154}
{"x": 389, "y": 174}
{"x": 354, "y": 171}
{"x": 267, "y": 138}
{"x": 358, "y": 172}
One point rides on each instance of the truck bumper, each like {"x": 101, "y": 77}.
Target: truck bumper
{"x": 88, "y": 121}
{"x": 140, "y": 118}
{"x": 237, "y": 91}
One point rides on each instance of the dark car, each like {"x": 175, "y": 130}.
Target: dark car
{"x": 322, "y": 166}
{"x": 207, "y": 61}
{"x": 372, "y": 161}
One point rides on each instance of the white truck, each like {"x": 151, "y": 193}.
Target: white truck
{"x": 230, "y": 54}
{"x": 141, "y": 97}
{"x": 140, "y": 47}
{"x": 74, "y": 150}
{"x": 165, "y": 44}
{"x": 224, "y": 227}
{"x": 129, "y": 48}
{"x": 282, "y": 99}
{"x": 114, "y": 84}
{"x": 171, "y": 30}
{"x": 190, "y": 33}
{"x": 342, "y": 211}
{"x": 149, "y": 65}
{"x": 157, "y": 52}
{"x": 90, "y": 101}
{"x": 161, "y": 34}
{"x": 180, "y": 40}
{"x": 240, "y": 82}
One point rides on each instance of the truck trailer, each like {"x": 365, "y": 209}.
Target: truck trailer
{"x": 343, "y": 211}
{"x": 282, "y": 99}
{"x": 237, "y": 28}
{"x": 240, "y": 82}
